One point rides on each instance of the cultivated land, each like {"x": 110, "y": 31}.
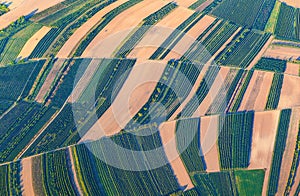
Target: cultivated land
{"x": 107, "y": 41}
{"x": 89, "y": 88}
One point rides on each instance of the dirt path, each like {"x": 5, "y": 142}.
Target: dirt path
{"x": 290, "y": 92}
{"x": 70, "y": 154}
{"x": 190, "y": 37}
{"x": 107, "y": 41}
{"x": 135, "y": 92}
{"x": 26, "y": 177}
{"x": 49, "y": 80}
{"x": 263, "y": 141}
{"x": 261, "y": 53}
{"x": 168, "y": 137}
{"x": 84, "y": 80}
{"x": 33, "y": 42}
{"x": 288, "y": 154}
{"x": 23, "y": 8}
{"x": 213, "y": 92}
{"x": 209, "y": 136}
{"x": 154, "y": 38}
{"x": 67, "y": 48}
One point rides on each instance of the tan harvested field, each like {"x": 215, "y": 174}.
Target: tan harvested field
{"x": 213, "y": 92}
{"x": 204, "y": 5}
{"x": 257, "y": 93}
{"x": 282, "y": 52}
{"x": 190, "y": 37}
{"x": 135, "y": 92}
{"x": 26, "y": 177}
{"x": 292, "y": 69}
{"x": 261, "y": 53}
{"x": 154, "y": 38}
{"x": 108, "y": 40}
{"x": 49, "y": 80}
{"x": 209, "y": 136}
{"x": 290, "y": 92}
{"x": 25, "y": 7}
{"x": 84, "y": 80}
{"x": 263, "y": 140}
{"x": 294, "y": 3}
{"x": 288, "y": 154}
{"x": 79, "y": 34}
{"x": 168, "y": 137}
{"x": 33, "y": 42}
{"x": 185, "y": 3}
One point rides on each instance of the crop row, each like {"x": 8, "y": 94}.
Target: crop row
{"x": 10, "y": 179}
{"x": 78, "y": 21}
{"x": 145, "y": 25}
{"x": 238, "y": 11}
{"x": 174, "y": 86}
{"x": 287, "y": 26}
{"x": 94, "y": 101}
{"x": 275, "y": 91}
{"x": 225, "y": 94}
{"x": 93, "y": 163}
{"x": 269, "y": 64}
{"x": 202, "y": 50}
{"x": 238, "y": 53}
{"x": 17, "y": 80}
{"x": 294, "y": 167}
{"x": 279, "y": 147}
{"x": 176, "y": 35}
{"x": 196, "y": 4}
{"x": 105, "y": 20}
{"x": 188, "y": 144}
{"x": 201, "y": 92}
{"x": 16, "y": 131}
{"x": 235, "y": 138}
{"x": 241, "y": 89}
{"x": 68, "y": 81}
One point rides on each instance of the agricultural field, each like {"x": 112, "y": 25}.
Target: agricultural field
{"x": 149, "y": 97}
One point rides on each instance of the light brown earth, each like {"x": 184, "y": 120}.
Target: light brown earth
{"x": 294, "y": 3}
{"x": 213, "y": 92}
{"x": 209, "y": 136}
{"x": 263, "y": 141}
{"x": 33, "y": 42}
{"x": 288, "y": 154}
{"x": 190, "y": 37}
{"x": 79, "y": 34}
{"x": 26, "y": 177}
{"x": 290, "y": 92}
{"x": 168, "y": 137}
{"x": 185, "y": 3}
{"x": 109, "y": 39}
{"x": 49, "y": 80}
{"x": 159, "y": 33}
{"x": 84, "y": 80}
{"x": 25, "y": 7}
{"x": 261, "y": 53}
{"x": 282, "y": 52}
{"x": 256, "y": 95}
{"x": 292, "y": 69}
{"x": 204, "y": 5}
{"x": 135, "y": 92}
